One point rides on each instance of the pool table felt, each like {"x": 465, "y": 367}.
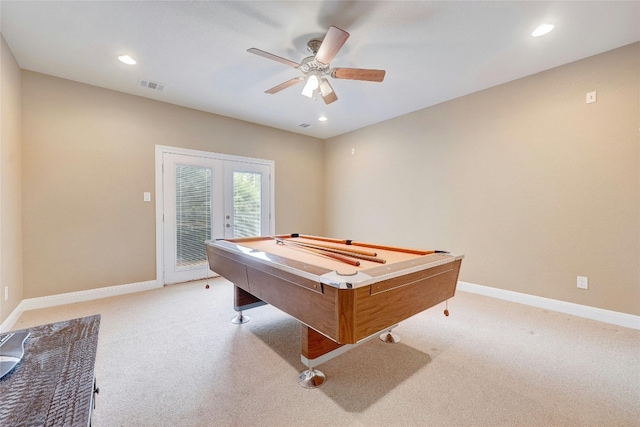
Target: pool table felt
{"x": 272, "y": 247}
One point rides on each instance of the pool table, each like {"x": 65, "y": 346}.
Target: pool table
{"x": 339, "y": 304}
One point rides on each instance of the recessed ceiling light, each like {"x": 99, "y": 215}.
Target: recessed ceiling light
{"x": 542, "y": 30}
{"x": 127, "y": 59}
{"x": 322, "y": 118}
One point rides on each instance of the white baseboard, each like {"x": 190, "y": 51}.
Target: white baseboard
{"x": 72, "y": 297}
{"x": 593, "y": 313}
{"x": 12, "y": 319}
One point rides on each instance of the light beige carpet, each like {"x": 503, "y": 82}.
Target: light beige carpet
{"x": 171, "y": 357}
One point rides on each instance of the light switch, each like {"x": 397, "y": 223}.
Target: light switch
{"x": 147, "y": 196}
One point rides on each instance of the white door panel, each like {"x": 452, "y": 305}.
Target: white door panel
{"x": 193, "y": 210}
{"x": 246, "y": 199}
{"x": 208, "y": 196}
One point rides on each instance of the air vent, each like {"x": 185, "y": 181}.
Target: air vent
{"x": 305, "y": 125}
{"x": 151, "y": 85}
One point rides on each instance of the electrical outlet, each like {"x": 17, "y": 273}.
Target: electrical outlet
{"x": 583, "y": 282}
{"x": 591, "y": 97}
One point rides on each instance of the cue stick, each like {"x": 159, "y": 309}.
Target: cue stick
{"x": 323, "y": 239}
{"x": 344, "y": 252}
{"x": 374, "y": 246}
{"x": 338, "y": 248}
{"x": 399, "y": 249}
{"x": 321, "y": 252}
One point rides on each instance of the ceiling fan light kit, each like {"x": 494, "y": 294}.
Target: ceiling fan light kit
{"x": 316, "y": 68}
{"x": 327, "y": 91}
{"x": 312, "y": 83}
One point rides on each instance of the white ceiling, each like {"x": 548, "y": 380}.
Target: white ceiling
{"x": 432, "y": 51}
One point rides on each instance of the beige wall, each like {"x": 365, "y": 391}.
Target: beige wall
{"x": 10, "y": 182}
{"x": 88, "y": 156}
{"x": 532, "y": 184}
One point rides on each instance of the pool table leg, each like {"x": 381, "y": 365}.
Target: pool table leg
{"x": 240, "y": 319}
{"x": 317, "y": 349}
{"x": 311, "y": 378}
{"x": 243, "y": 300}
{"x": 390, "y": 337}
{"x": 314, "y": 345}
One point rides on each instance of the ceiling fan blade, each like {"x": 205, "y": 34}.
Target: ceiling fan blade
{"x": 273, "y": 57}
{"x": 358, "y": 74}
{"x": 331, "y": 44}
{"x": 284, "y": 85}
{"x": 328, "y": 95}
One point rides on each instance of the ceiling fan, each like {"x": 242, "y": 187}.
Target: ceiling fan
{"x": 315, "y": 68}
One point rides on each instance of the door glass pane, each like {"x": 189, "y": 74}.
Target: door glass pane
{"x": 193, "y": 214}
{"x": 246, "y": 204}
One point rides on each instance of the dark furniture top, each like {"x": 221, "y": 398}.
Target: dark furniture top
{"x": 54, "y": 383}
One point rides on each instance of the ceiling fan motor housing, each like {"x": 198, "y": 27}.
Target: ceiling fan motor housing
{"x": 313, "y": 45}
{"x": 310, "y": 64}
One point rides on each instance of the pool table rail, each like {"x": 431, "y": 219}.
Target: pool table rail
{"x": 235, "y": 249}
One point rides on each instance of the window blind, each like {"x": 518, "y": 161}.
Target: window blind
{"x": 193, "y": 214}
{"x": 247, "y": 187}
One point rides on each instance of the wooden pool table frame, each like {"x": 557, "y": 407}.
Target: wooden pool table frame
{"x": 336, "y": 312}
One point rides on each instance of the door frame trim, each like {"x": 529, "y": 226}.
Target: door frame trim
{"x": 160, "y": 150}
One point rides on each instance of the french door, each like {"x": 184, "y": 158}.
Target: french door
{"x": 209, "y": 196}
